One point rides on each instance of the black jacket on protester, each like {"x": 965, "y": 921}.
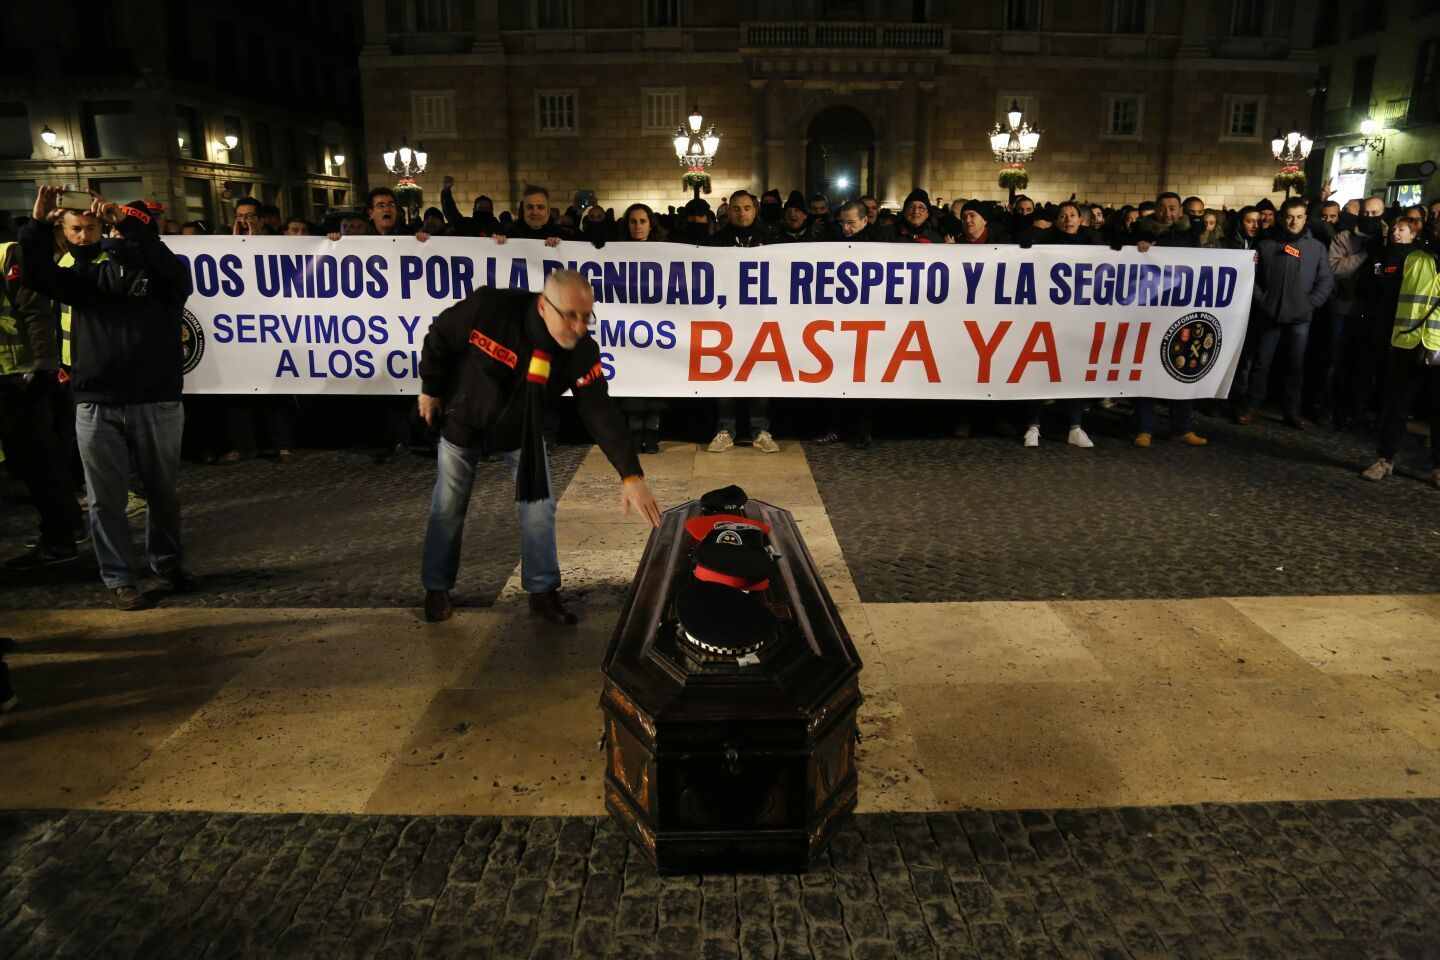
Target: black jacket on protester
{"x": 756, "y": 235}
{"x": 812, "y": 231}
{"x": 520, "y": 230}
{"x": 476, "y": 357}
{"x": 925, "y": 233}
{"x": 125, "y": 311}
{"x": 871, "y": 233}
{"x": 1378, "y": 285}
{"x": 1054, "y": 236}
{"x": 1182, "y": 233}
{"x": 1293, "y": 278}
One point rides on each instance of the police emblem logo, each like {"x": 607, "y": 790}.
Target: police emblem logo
{"x": 192, "y": 342}
{"x": 1191, "y": 346}
{"x": 730, "y": 538}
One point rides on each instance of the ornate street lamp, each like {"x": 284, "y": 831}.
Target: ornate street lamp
{"x": 1013, "y": 146}
{"x": 1290, "y": 152}
{"x": 406, "y": 165}
{"x": 696, "y": 151}
{"x": 52, "y": 140}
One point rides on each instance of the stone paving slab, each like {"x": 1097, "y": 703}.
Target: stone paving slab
{"x": 1261, "y": 511}
{"x": 329, "y": 529}
{"x": 1342, "y": 879}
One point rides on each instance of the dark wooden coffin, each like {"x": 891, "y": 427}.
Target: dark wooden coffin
{"x": 721, "y": 764}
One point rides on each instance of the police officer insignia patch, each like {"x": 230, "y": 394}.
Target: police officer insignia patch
{"x": 192, "y": 342}
{"x": 1191, "y": 346}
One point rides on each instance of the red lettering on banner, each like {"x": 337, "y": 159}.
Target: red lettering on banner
{"x": 862, "y": 330}
{"x": 922, "y": 353}
{"x": 769, "y": 331}
{"x": 493, "y": 350}
{"x": 1117, "y": 352}
{"x": 698, "y": 350}
{"x": 1030, "y": 354}
{"x": 827, "y": 365}
{"x": 985, "y": 349}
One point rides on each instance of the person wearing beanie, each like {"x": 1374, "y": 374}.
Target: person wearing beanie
{"x": 490, "y": 367}
{"x": 770, "y": 206}
{"x": 1267, "y": 212}
{"x": 126, "y": 306}
{"x": 796, "y": 224}
{"x": 916, "y": 223}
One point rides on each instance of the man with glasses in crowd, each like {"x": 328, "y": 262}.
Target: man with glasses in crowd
{"x": 490, "y": 366}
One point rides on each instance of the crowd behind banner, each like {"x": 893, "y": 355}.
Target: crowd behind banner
{"x": 1327, "y": 295}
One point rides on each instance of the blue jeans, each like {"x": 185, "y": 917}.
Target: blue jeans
{"x": 454, "y": 479}
{"x": 1182, "y": 415}
{"x": 1290, "y": 341}
{"x": 110, "y": 436}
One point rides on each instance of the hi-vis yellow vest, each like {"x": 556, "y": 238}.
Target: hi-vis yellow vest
{"x": 14, "y": 349}
{"x": 1417, "y": 317}
{"x": 68, "y": 260}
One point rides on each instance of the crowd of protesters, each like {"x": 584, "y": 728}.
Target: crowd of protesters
{"x": 1345, "y": 304}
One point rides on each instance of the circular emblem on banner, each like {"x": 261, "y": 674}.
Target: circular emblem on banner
{"x": 192, "y": 342}
{"x": 1191, "y": 346}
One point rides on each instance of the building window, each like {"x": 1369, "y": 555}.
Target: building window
{"x": 264, "y": 144}
{"x": 17, "y": 197}
{"x": 108, "y": 129}
{"x": 197, "y": 200}
{"x": 1021, "y": 14}
{"x": 1122, "y": 117}
{"x": 319, "y": 203}
{"x": 432, "y": 113}
{"x": 1242, "y": 118}
{"x": 555, "y": 112}
{"x": 554, "y": 14}
{"x": 435, "y": 16}
{"x": 315, "y": 154}
{"x": 1128, "y": 16}
{"x": 119, "y": 189}
{"x": 1362, "y": 83}
{"x": 662, "y": 13}
{"x": 337, "y": 198}
{"x": 15, "y": 141}
{"x": 1249, "y": 18}
{"x": 1327, "y": 20}
{"x": 1424, "y": 95}
{"x": 189, "y": 133}
{"x": 662, "y": 109}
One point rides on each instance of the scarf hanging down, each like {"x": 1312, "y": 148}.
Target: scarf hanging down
{"x": 532, "y": 482}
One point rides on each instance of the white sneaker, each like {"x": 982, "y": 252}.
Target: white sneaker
{"x": 766, "y": 443}
{"x": 1032, "y": 437}
{"x": 135, "y": 504}
{"x": 1079, "y": 438}
{"x": 722, "y": 442}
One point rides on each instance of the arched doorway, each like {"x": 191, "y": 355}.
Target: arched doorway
{"x": 840, "y": 161}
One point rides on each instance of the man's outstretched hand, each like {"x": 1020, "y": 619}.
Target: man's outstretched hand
{"x": 635, "y": 494}
{"x": 430, "y": 409}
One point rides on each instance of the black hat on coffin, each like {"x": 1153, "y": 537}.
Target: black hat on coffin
{"x": 734, "y": 555}
{"x": 731, "y": 499}
{"x": 721, "y": 621}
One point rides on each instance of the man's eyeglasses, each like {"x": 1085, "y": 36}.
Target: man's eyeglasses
{"x": 570, "y": 316}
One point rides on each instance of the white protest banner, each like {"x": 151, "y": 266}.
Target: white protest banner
{"x": 296, "y": 315}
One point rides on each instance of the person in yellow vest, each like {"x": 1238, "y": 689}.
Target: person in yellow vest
{"x": 36, "y": 447}
{"x": 1414, "y": 363}
{"x": 126, "y": 315}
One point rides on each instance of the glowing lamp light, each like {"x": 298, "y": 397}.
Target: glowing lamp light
{"x": 231, "y": 141}
{"x": 405, "y": 154}
{"x": 711, "y": 143}
{"x": 49, "y": 136}
{"x": 1014, "y": 115}
{"x": 682, "y": 144}
{"x": 842, "y": 182}
{"x": 420, "y": 157}
{"x": 181, "y": 142}
{"x": 389, "y": 157}
{"x": 999, "y": 141}
{"x": 1369, "y": 126}
{"x": 338, "y": 160}
{"x": 695, "y": 120}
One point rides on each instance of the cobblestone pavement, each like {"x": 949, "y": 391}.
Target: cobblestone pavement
{"x": 1343, "y": 879}
{"x": 329, "y": 529}
{"x": 1262, "y": 511}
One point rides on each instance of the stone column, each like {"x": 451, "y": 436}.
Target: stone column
{"x": 924, "y": 105}
{"x": 784, "y": 144}
{"x": 889, "y": 177}
{"x": 759, "y": 133}
{"x": 906, "y": 169}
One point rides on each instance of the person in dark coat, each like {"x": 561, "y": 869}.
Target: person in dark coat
{"x": 490, "y": 366}
{"x": 1292, "y": 280}
{"x": 917, "y": 222}
{"x": 743, "y": 230}
{"x": 797, "y": 225}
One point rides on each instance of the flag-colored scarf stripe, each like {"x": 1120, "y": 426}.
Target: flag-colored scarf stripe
{"x": 539, "y": 367}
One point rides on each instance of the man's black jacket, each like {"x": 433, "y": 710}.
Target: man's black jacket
{"x": 125, "y": 312}
{"x": 476, "y": 358}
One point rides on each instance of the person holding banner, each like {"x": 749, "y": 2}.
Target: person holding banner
{"x": 490, "y": 366}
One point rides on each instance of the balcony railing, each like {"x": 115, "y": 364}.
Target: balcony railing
{"x": 805, "y": 35}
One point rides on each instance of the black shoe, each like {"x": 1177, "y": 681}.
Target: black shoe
{"x": 547, "y": 607}
{"x": 42, "y": 555}
{"x": 650, "y": 442}
{"x": 128, "y": 598}
{"x": 178, "y": 581}
{"x": 437, "y": 606}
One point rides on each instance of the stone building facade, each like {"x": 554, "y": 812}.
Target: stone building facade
{"x": 1381, "y": 62}
{"x": 1132, "y": 96}
{"x": 140, "y": 97}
